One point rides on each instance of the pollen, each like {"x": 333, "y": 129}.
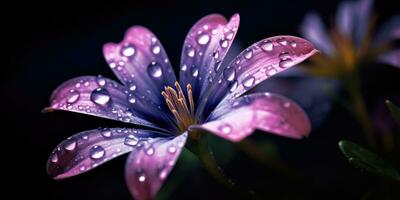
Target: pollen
{"x": 182, "y": 109}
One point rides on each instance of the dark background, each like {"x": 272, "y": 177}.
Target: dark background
{"x": 48, "y": 43}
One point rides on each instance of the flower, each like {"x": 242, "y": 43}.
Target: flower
{"x": 207, "y": 99}
{"x": 351, "y": 42}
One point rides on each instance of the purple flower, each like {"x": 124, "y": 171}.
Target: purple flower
{"x": 351, "y": 42}
{"x": 207, "y": 99}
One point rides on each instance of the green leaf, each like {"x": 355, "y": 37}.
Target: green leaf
{"x": 367, "y": 160}
{"x": 395, "y": 110}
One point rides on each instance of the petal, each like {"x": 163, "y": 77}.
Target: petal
{"x": 345, "y": 18}
{"x": 314, "y": 30}
{"x": 391, "y": 58}
{"x": 268, "y": 112}
{"x": 141, "y": 63}
{"x": 147, "y": 167}
{"x": 362, "y": 14}
{"x": 388, "y": 31}
{"x": 205, "y": 47}
{"x": 87, "y": 150}
{"x": 257, "y": 63}
{"x": 97, "y": 96}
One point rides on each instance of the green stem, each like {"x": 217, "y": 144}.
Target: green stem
{"x": 359, "y": 109}
{"x": 201, "y": 149}
{"x": 271, "y": 160}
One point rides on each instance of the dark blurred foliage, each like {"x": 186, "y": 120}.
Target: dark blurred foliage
{"x": 48, "y": 43}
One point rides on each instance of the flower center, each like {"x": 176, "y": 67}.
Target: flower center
{"x": 177, "y": 104}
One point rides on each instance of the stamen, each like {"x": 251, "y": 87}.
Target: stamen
{"x": 190, "y": 95}
{"x": 176, "y": 102}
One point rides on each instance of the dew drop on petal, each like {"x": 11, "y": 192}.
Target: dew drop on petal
{"x": 100, "y": 96}
{"x": 128, "y": 51}
{"x": 154, "y": 69}
{"x": 172, "y": 149}
{"x": 131, "y": 140}
{"x": 230, "y": 35}
{"x": 270, "y": 70}
{"x": 203, "y": 39}
{"x": 73, "y": 97}
{"x": 248, "y": 54}
{"x": 163, "y": 174}
{"x": 195, "y": 71}
{"x": 82, "y": 168}
{"x": 293, "y": 44}
{"x": 190, "y": 51}
{"x": 131, "y": 99}
{"x": 142, "y": 178}
{"x": 215, "y": 54}
{"x": 224, "y": 43}
{"x": 286, "y": 63}
{"x": 225, "y": 128}
{"x": 229, "y": 73}
{"x": 150, "y": 151}
{"x": 248, "y": 81}
{"x": 267, "y": 45}
{"x": 233, "y": 87}
{"x": 184, "y": 67}
{"x": 106, "y": 133}
{"x": 54, "y": 158}
{"x": 101, "y": 81}
{"x": 96, "y": 152}
{"x": 156, "y": 49}
{"x": 282, "y": 41}
{"x": 132, "y": 87}
{"x": 70, "y": 144}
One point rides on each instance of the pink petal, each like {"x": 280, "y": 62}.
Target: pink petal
{"x": 97, "y": 96}
{"x": 147, "y": 167}
{"x": 87, "y": 150}
{"x": 205, "y": 47}
{"x": 259, "y": 62}
{"x": 391, "y": 58}
{"x": 268, "y": 112}
{"x": 141, "y": 63}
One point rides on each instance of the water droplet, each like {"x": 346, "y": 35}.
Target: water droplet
{"x": 96, "y": 152}
{"x": 85, "y": 137}
{"x": 234, "y": 86}
{"x": 195, "y": 71}
{"x": 142, "y": 178}
{"x": 284, "y": 55}
{"x": 184, "y": 67}
{"x": 70, "y": 144}
{"x": 163, "y": 174}
{"x": 100, "y": 96}
{"x": 131, "y": 99}
{"x": 217, "y": 66}
{"x": 132, "y": 87}
{"x": 215, "y": 54}
{"x": 229, "y": 73}
{"x": 156, "y": 49}
{"x": 154, "y": 69}
{"x": 270, "y": 71}
{"x": 82, "y": 168}
{"x": 230, "y": 35}
{"x": 267, "y": 45}
{"x": 286, "y": 63}
{"x": 203, "y": 39}
{"x": 248, "y": 54}
{"x": 131, "y": 140}
{"x": 225, "y": 128}
{"x": 54, "y": 158}
{"x": 293, "y": 44}
{"x": 101, "y": 81}
{"x": 248, "y": 81}
{"x": 106, "y": 133}
{"x": 282, "y": 41}
{"x": 223, "y": 43}
{"x": 73, "y": 97}
{"x": 172, "y": 149}
{"x": 150, "y": 151}
{"x": 287, "y": 104}
{"x": 128, "y": 50}
{"x": 190, "y": 51}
